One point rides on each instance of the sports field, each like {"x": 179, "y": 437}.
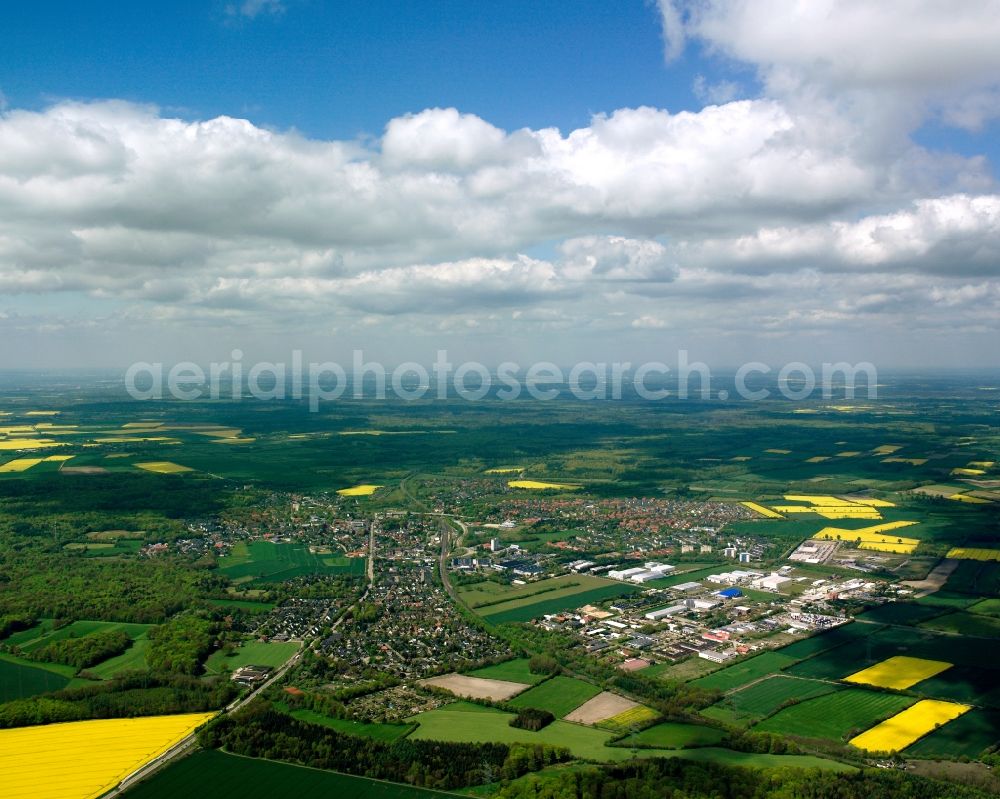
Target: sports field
{"x": 251, "y": 653}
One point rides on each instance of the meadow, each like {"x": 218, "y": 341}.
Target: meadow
{"x": 559, "y": 695}
{"x": 511, "y": 670}
{"x": 673, "y": 735}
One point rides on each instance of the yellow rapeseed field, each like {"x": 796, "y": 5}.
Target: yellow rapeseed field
{"x": 877, "y": 537}
{"x": 887, "y": 449}
{"x": 974, "y": 553}
{"x": 504, "y": 470}
{"x": 757, "y": 508}
{"x": 23, "y": 464}
{"x": 365, "y": 490}
{"x": 911, "y": 461}
{"x": 968, "y": 472}
{"x": 970, "y": 499}
{"x": 818, "y": 459}
{"x": 638, "y": 715}
{"x": 163, "y": 467}
{"x": 982, "y": 464}
{"x": 28, "y": 443}
{"x": 84, "y": 759}
{"x": 899, "y": 672}
{"x": 538, "y": 485}
{"x": 912, "y": 724}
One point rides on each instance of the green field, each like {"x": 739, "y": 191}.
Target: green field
{"x": 492, "y": 595}
{"x": 741, "y": 673}
{"x": 132, "y": 659}
{"x": 549, "y": 606}
{"x": 965, "y": 624}
{"x": 19, "y": 681}
{"x": 243, "y": 604}
{"x": 560, "y": 695}
{"x": 585, "y": 743}
{"x": 251, "y": 653}
{"x": 835, "y": 716}
{"x": 221, "y": 776}
{"x": 967, "y": 736}
{"x": 378, "y": 732}
{"x": 674, "y": 735}
{"x": 503, "y": 603}
{"x": 267, "y": 562}
{"x": 986, "y": 607}
{"x": 832, "y": 639}
{"x": 764, "y": 698}
{"x": 511, "y": 670}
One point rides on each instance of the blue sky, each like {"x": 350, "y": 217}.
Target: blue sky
{"x": 743, "y": 178}
{"x": 337, "y": 69}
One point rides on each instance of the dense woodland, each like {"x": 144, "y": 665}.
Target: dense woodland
{"x": 134, "y": 695}
{"x": 262, "y": 731}
{"x": 84, "y": 651}
{"x": 180, "y": 645}
{"x": 682, "y": 779}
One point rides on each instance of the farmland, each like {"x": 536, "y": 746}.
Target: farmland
{"x": 223, "y": 776}
{"x": 908, "y": 726}
{"x": 559, "y": 695}
{"x": 20, "y": 680}
{"x": 674, "y": 735}
{"x": 763, "y": 698}
{"x": 741, "y": 673}
{"x": 899, "y": 672}
{"x": 500, "y": 604}
{"x": 266, "y": 562}
{"x": 511, "y": 670}
{"x": 84, "y": 759}
{"x": 835, "y": 715}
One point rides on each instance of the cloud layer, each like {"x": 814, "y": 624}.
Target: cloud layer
{"x": 812, "y": 196}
